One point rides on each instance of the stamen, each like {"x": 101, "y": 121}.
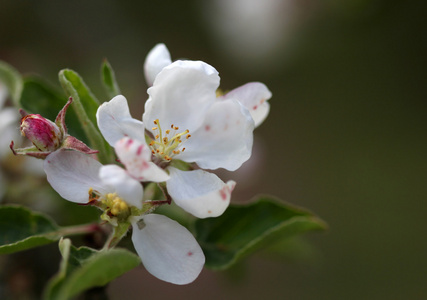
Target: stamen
{"x": 168, "y": 146}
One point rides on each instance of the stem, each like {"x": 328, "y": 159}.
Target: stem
{"x": 162, "y": 187}
{"x": 79, "y": 229}
{"x": 116, "y": 236}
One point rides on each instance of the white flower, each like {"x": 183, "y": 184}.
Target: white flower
{"x": 167, "y": 249}
{"x": 252, "y": 95}
{"x": 188, "y": 122}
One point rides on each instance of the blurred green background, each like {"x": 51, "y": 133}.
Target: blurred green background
{"x": 346, "y": 136}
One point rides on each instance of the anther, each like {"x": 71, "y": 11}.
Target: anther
{"x": 154, "y": 128}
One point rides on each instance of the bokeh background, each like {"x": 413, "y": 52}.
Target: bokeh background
{"x": 346, "y": 136}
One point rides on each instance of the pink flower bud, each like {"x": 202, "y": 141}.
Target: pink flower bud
{"x": 43, "y": 133}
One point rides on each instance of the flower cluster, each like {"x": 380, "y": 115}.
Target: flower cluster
{"x": 186, "y": 130}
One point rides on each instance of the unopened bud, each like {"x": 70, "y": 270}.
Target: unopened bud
{"x": 43, "y": 133}
{"x": 48, "y": 136}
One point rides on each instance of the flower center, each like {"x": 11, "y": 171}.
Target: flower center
{"x": 168, "y": 144}
{"x": 115, "y": 204}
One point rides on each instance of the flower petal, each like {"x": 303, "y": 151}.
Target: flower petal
{"x": 181, "y": 94}
{"x": 127, "y": 188}
{"x": 253, "y": 96}
{"x": 9, "y": 129}
{"x": 3, "y": 94}
{"x": 167, "y": 249}
{"x": 72, "y": 174}
{"x": 224, "y": 140}
{"x": 136, "y": 157}
{"x": 115, "y": 121}
{"x": 200, "y": 193}
{"x": 158, "y": 58}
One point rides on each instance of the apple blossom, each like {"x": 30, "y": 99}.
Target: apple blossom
{"x": 48, "y": 136}
{"x": 167, "y": 249}
{"x": 252, "y": 95}
{"x": 215, "y": 133}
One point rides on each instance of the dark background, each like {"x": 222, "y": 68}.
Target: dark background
{"x": 346, "y": 135}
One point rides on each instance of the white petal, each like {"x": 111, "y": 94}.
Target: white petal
{"x": 181, "y": 94}
{"x": 253, "y": 96}
{"x": 127, "y": 188}
{"x": 200, "y": 193}
{"x": 72, "y": 174}
{"x": 224, "y": 140}
{"x": 158, "y": 58}
{"x": 3, "y": 94}
{"x": 115, "y": 121}
{"x": 9, "y": 129}
{"x": 167, "y": 249}
{"x": 136, "y": 157}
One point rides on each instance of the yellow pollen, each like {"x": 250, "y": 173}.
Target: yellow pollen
{"x": 115, "y": 204}
{"x": 166, "y": 144}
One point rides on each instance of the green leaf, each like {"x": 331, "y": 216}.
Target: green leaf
{"x": 109, "y": 80}
{"x": 38, "y": 96}
{"x": 10, "y": 77}
{"x": 86, "y": 106}
{"x": 84, "y": 268}
{"x": 244, "y": 228}
{"x": 75, "y": 87}
{"x": 21, "y": 229}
